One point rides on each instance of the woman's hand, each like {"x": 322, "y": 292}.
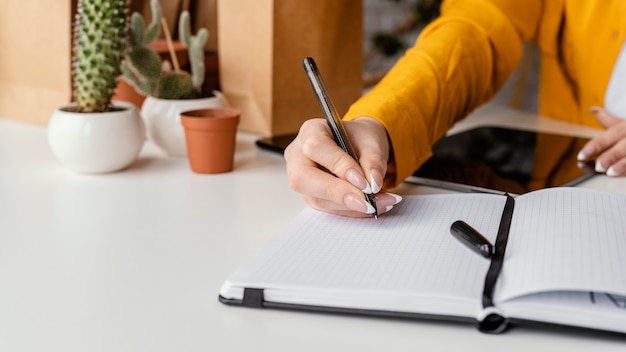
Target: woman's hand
{"x": 332, "y": 181}
{"x": 609, "y": 147}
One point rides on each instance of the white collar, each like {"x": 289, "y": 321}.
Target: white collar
{"x": 615, "y": 97}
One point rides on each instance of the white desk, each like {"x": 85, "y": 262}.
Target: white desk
{"x": 133, "y": 261}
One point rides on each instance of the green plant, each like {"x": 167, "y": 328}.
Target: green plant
{"x": 99, "y": 40}
{"x": 143, "y": 67}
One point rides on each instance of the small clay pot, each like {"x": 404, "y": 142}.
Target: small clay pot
{"x": 210, "y": 135}
{"x": 125, "y": 91}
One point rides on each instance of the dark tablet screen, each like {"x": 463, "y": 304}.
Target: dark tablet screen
{"x": 505, "y": 160}
{"x": 276, "y": 144}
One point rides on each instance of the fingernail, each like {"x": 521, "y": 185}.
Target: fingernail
{"x": 397, "y": 197}
{"x": 611, "y": 172}
{"x": 356, "y": 178}
{"x": 370, "y": 208}
{"x": 586, "y": 153}
{"x": 386, "y": 200}
{"x": 599, "y": 167}
{"x": 376, "y": 187}
{"x": 595, "y": 109}
{"x": 358, "y": 204}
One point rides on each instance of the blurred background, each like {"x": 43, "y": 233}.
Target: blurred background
{"x": 35, "y": 48}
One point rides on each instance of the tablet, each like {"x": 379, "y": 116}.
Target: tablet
{"x": 276, "y": 144}
{"x": 504, "y": 160}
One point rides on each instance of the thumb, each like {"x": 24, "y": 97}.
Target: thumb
{"x": 606, "y": 120}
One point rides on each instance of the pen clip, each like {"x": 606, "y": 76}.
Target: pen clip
{"x": 471, "y": 238}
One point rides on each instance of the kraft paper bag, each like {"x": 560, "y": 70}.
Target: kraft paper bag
{"x": 261, "y": 45}
{"x": 35, "y": 58}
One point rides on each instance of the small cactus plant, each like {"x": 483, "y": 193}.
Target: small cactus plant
{"x": 143, "y": 68}
{"x": 100, "y": 31}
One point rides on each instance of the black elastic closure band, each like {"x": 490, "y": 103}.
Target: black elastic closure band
{"x": 494, "y": 323}
{"x": 253, "y": 298}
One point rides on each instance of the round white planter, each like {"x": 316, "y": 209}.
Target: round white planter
{"x": 96, "y": 142}
{"x": 162, "y": 119}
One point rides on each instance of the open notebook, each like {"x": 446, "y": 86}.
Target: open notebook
{"x": 560, "y": 258}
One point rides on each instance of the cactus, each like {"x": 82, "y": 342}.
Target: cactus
{"x": 100, "y": 31}
{"x": 195, "y": 48}
{"x": 143, "y": 67}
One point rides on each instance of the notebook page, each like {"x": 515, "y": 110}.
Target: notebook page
{"x": 565, "y": 239}
{"x": 585, "y": 309}
{"x": 408, "y": 251}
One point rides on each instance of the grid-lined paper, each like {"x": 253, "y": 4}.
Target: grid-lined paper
{"x": 409, "y": 251}
{"x": 563, "y": 239}
{"x": 565, "y": 261}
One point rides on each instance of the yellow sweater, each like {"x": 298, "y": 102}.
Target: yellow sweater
{"x": 463, "y": 58}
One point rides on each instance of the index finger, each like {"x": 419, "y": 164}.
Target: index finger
{"x": 318, "y": 145}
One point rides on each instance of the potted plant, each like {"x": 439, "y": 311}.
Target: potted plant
{"x": 169, "y": 90}
{"x": 93, "y": 135}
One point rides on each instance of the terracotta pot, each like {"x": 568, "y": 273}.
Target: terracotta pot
{"x": 125, "y": 91}
{"x": 161, "y": 48}
{"x": 211, "y": 135}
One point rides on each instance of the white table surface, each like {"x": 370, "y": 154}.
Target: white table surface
{"x": 133, "y": 261}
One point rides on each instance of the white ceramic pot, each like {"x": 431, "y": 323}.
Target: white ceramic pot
{"x": 96, "y": 142}
{"x": 162, "y": 119}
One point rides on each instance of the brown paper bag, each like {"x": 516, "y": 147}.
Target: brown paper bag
{"x": 35, "y": 58}
{"x": 261, "y": 45}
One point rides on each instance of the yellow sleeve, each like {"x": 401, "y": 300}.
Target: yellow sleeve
{"x": 459, "y": 61}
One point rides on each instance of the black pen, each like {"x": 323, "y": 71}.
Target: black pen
{"x": 473, "y": 239}
{"x": 332, "y": 117}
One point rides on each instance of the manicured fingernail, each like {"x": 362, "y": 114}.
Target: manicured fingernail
{"x": 397, "y": 197}
{"x": 386, "y": 200}
{"x": 370, "y": 208}
{"x": 588, "y": 152}
{"x": 374, "y": 174}
{"x": 599, "y": 167}
{"x": 356, "y": 178}
{"x": 358, "y": 204}
{"x": 611, "y": 172}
